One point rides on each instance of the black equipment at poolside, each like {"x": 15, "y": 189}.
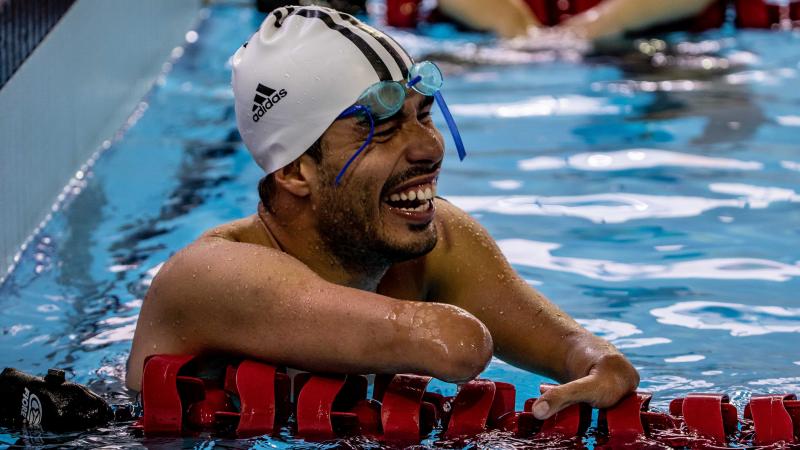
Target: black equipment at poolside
{"x": 49, "y": 403}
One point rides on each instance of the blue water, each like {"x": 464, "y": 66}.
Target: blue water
{"x": 656, "y": 205}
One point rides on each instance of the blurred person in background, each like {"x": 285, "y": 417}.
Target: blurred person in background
{"x": 593, "y": 19}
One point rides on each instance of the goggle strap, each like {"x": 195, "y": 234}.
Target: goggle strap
{"x": 451, "y": 123}
{"x": 350, "y": 111}
{"x": 357, "y": 108}
{"x": 414, "y": 81}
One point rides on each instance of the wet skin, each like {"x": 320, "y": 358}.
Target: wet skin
{"x": 342, "y": 279}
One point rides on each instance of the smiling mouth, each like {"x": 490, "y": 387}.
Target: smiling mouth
{"x": 418, "y": 198}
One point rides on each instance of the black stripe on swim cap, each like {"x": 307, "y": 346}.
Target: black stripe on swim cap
{"x": 377, "y": 63}
{"x": 397, "y": 45}
{"x": 278, "y": 13}
{"x": 380, "y": 37}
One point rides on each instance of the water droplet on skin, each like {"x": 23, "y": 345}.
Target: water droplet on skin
{"x": 155, "y": 346}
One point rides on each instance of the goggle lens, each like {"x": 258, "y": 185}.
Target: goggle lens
{"x": 384, "y": 99}
{"x": 430, "y": 78}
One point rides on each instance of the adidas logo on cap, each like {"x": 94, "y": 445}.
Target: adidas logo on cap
{"x": 265, "y": 99}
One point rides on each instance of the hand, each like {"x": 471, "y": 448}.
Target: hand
{"x": 608, "y": 380}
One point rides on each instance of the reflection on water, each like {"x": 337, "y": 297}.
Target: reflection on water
{"x": 638, "y": 158}
{"x": 685, "y": 359}
{"x": 539, "y": 255}
{"x": 788, "y": 121}
{"x": 776, "y": 385}
{"x": 119, "y": 330}
{"x": 739, "y": 319}
{"x": 539, "y": 106}
{"x": 676, "y": 383}
{"x": 617, "y": 333}
{"x": 619, "y": 208}
{"x": 599, "y": 208}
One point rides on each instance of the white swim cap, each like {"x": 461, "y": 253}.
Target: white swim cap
{"x": 303, "y": 67}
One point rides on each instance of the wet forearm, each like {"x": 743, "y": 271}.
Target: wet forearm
{"x": 542, "y": 338}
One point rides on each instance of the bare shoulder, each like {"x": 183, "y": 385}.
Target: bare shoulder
{"x": 458, "y": 231}
{"x": 246, "y": 230}
{"x": 464, "y": 248}
{"x": 183, "y": 297}
{"x": 181, "y": 275}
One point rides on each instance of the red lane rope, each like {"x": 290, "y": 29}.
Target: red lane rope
{"x": 254, "y": 399}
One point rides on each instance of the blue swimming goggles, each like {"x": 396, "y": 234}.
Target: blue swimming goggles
{"x": 385, "y": 98}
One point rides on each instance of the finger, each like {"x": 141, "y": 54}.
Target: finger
{"x": 560, "y": 397}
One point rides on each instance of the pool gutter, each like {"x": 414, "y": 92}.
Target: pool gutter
{"x": 70, "y": 97}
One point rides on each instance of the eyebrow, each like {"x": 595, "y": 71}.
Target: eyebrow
{"x": 425, "y": 103}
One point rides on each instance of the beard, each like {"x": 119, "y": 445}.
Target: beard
{"x": 353, "y": 227}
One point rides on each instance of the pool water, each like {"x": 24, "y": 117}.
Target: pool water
{"x": 651, "y": 193}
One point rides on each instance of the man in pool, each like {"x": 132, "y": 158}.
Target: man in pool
{"x": 352, "y": 263}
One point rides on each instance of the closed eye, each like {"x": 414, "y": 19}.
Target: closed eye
{"x": 386, "y": 132}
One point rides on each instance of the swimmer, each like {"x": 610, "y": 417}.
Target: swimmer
{"x": 609, "y": 18}
{"x": 613, "y": 18}
{"x": 505, "y": 18}
{"x": 352, "y": 263}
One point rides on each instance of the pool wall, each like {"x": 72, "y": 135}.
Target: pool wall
{"x": 71, "y": 96}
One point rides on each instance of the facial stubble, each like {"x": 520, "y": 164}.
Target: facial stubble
{"x": 352, "y": 227}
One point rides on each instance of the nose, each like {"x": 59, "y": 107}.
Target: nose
{"x": 426, "y": 145}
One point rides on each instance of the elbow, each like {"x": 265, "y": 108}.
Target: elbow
{"x": 467, "y": 348}
{"x": 473, "y": 356}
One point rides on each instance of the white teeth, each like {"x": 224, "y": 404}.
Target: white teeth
{"x": 423, "y": 207}
{"x": 418, "y": 194}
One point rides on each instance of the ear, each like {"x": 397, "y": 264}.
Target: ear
{"x": 298, "y": 176}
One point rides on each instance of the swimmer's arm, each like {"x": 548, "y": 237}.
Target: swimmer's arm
{"x": 613, "y": 17}
{"x": 506, "y": 18}
{"x": 220, "y": 296}
{"x": 528, "y": 330}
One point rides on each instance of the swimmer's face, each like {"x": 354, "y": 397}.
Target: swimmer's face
{"x": 366, "y": 216}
